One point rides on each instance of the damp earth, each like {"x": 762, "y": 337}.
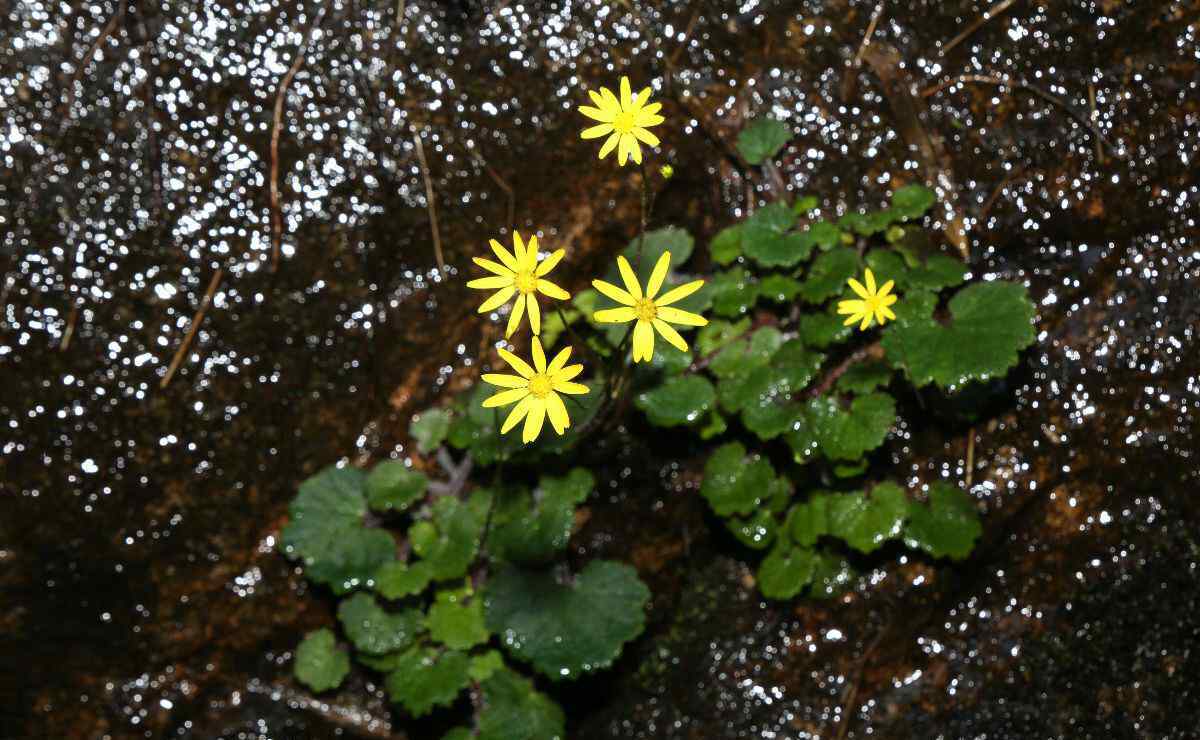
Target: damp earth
{"x": 271, "y": 165}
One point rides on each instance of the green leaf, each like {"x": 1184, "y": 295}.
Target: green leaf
{"x": 726, "y": 246}
{"x": 786, "y": 570}
{"x": 668, "y": 239}
{"x": 864, "y": 377}
{"x": 395, "y": 580}
{"x": 768, "y": 240}
{"x": 843, "y": 434}
{"x": 938, "y": 272}
{"x": 868, "y": 224}
{"x": 808, "y": 521}
{"x": 425, "y": 678}
{"x": 743, "y": 356}
{"x": 850, "y": 470}
{"x": 429, "y": 429}
{"x": 828, "y": 275}
{"x": 319, "y": 664}
{"x": 831, "y": 577}
{"x": 715, "y": 425}
{"x": 912, "y": 201}
{"x": 718, "y": 333}
{"x": 326, "y": 531}
{"x": 947, "y": 527}
{"x": 756, "y": 531}
{"x": 567, "y": 630}
{"x": 733, "y": 292}
{"x": 824, "y": 235}
{"x": 450, "y": 547}
{"x": 529, "y": 529}
{"x": 375, "y": 631}
{"x": 762, "y": 140}
{"x": 477, "y": 429}
{"x": 667, "y": 360}
{"x": 735, "y": 483}
{"x": 682, "y": 399}
{"x": 456, "y": 620}
{"x": 866, "y": 523}
{"x": 821, "y": 330}
{"x": 805, "y": 204}
{"x": 990, "y": 324}
{"x": 768, "y": 396}
{"x": 779, "y": 288}
{"x": 392, "y": 486}
{"x": 513, "y": 710}
{"x": 485, "y": 664}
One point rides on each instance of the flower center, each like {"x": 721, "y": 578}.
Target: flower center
{"x": 624, "y": 122}
{"x": 644, "y": 308}
{"x": 526, "y": 282}
{"x": 539, "y": 385}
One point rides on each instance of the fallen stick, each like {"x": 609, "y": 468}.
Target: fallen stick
{"x": 429, "y": 202}
{"x": 199, "y": 317}
{"x": 988, "y": 14}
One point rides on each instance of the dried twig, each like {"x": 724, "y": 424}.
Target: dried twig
{"x": 107, "y": 31}
{"x": 875, "y": 349}
{"x": 989, "y": 14}
{"x": 199, "y": 317}
{"x": 429, "y": 202}
{"x": 70, "y": 330}
{"x": 970, "y": 455}
{"x": 862, "y": 48}
{"x": 280, "y": 95}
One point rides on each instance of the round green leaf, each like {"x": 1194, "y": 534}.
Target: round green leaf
{"x": 375, "y": 631}
{"x": 395, "y": 580}
{"x": 844, "y": 434}
{"x": 762, "y": 140}
{"x": 828, "y": 275}
{"x": 831, "y": 577}
{"x": 786, "y": 570}
{"x": 912, "y": 201}
{"x": 824, "y": 235}
{"x": 948, "y": 526}
{"x": 733, "y": 292}
{"x": 767, "y": 237}
{"x": 456, "y": 621}
{"x": 449, "y": 543}
{"x": 425, "y": 678}
{"x": 735, "y": 483}
{"x": 429, "y": 429}
{"x": 726, "y": 246}
{"x": 683, "y": 399}
{"x": 533, "y": 529}
{"x": 319, "y": 664}
{"x": 866, "y": 523}
{"x": 779, "y": 288}
{"x": 565, "y": 630}
{"x": 392, "y": 486}
{"x": 864, "y": 377}
{"x": 513, "y": 710}
{"x": 808, "y": 521}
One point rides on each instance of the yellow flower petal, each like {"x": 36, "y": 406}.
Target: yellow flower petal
{"x": 560, "y": 360}
{"x": 668, "y": 333}
{"x": 645, "y": 136}
{"x": 595, "y": 96}
{"x": 627, "y": 276}
{"x": 523, "y": 369}
{"x": 547, "y": 288}
{"x": 610, "y": 144}
{"x": 568, "y": 372}
{"x": 597, "y": 114}
{"x": 858, "y": 288}
{"x": 679, "y": 316}
{"x": 879, "y": 317}
{"x": 514, "y": 318}
{"x": 557, "y": 411}
{"x": 533, "y": 421}
{"x": 677, "y": 294}
{"x": 491, "y": 282}
{"x": 615, "y": 315}
{"x": 505, "y": 256}
{"x": 504, "y": 380}
{"x": 491, "y": 266}
{"x": 548, "y": 264}
{"x": 531, "y": 254}
{"x": 887, "y": 288}
{"x": 539, "y": 356}
{"x": 595, "y": 132}
{"x": 518, "y": 413}
{"x": 519, "y": 251}
{"x": 643, "y": 120}
{"x": 865, "y": 322}
{"x": 852, "y": 319}
{"x": 890, "y": 299}
{"x": 504, "y": 398}
{"x": 610, "y": 100}
{"x": 870, "y": 281}
{"x": 614, "y": 292}
{"x": 499, "y": 298}
{"x": 626, "y": 94}
{"x": 535, "y": 313}
{"x": 630, "y": 144}
{"x": 643, "y": 341}
{"x": 571, "y": 389}
{"x": 643, "y": 97}
{"x": 658, "y": 274}
{"x": 888, "y": 313}
{"x": 851, "y": 306}
{"x": 650, "y": 109}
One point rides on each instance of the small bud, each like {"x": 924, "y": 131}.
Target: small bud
{"x": 667, "y": 171}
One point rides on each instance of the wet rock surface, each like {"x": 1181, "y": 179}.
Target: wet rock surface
{"x": 137, "y": 551}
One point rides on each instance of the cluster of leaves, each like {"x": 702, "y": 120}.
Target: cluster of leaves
{"x": 428, "y": 622}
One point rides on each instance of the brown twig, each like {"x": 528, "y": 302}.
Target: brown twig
{"x": 91, "y": 52}
{"x": 429, "y": 202}
{"x": 280, "y": 95}
{"x": 970, "y": 455}
{"x": 991, "y": 201}
{"x": 875, "y": 349}
{"x": 196, "y": 320}
{"x": 70, "y": 330}
{"x": 862, "y": 48}
{"x": 988, "y": 14}
{"x": 852, "y": 690}
{"x": 1095, "y": 121}
{"x": 500, "y": 183}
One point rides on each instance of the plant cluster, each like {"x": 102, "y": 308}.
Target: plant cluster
{"x": 807, "y": 325}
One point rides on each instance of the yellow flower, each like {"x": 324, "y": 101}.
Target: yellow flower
{"x": 535, "y": 391}
{"x": 652, "y": 314}
{"x": 519, "y": 273}
{"x": 623, "y": 121}
{"x": 667, "y": 171}
{"x": 874, "y": 303}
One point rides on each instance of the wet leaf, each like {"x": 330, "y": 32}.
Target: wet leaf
{"x": 449, "y": 542}
{"x": 768, "y": 396}
{"x": 824, "y": 235}
{"x": 868, "y": 224}
{"x": 938, "y": 272}
{"x": 668, "y": 239}
{"x": 326, "y": 531}
{"x": 746, "y": 354}
{"x": 864, "y": 377}
{"x": 843, "y": 433}
{"x": 429, "y": 429}
{"x": 392, "y": 486}
{"x": 726, "y": 246}
{"x": 828, "y": 275}
{"x": 374, "y": 630}
{"x": 719, "y": 333}
{"x": 946, "y": 527}
{"x": 566, "y": 630}
{"x": 786, "y": 570}
{"x": 477, "y": 429}
{"x": 767, "y": 237}
{"x": 456, "y": 620}
{"x": 821, "y": 330}
{"x": 990, "y": 324}
{"x": 809, "y": 521}
{"x": 832, "y": 576}
{"x": 533, "y": 529}
{"x": 514, "y": 710}
{"x": 715, "y": 425}
{"x": 485, "y": 664}
{"x": 912, "y": 201}
{"x": 425, "y": 678}
{"x": 680, "y": 400}
{"x": 805, "y": 204}
{"x": 762, "y": 140}
{"x": 865, "y": 523}
{"x": 734, "y": 482}
{"x": 779, "y": 288}
{"x": 396, "y": 580}
{"x": 733, "y": 292}
{"x": 319, "y": 664}
{"x": 756, "y": 531}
